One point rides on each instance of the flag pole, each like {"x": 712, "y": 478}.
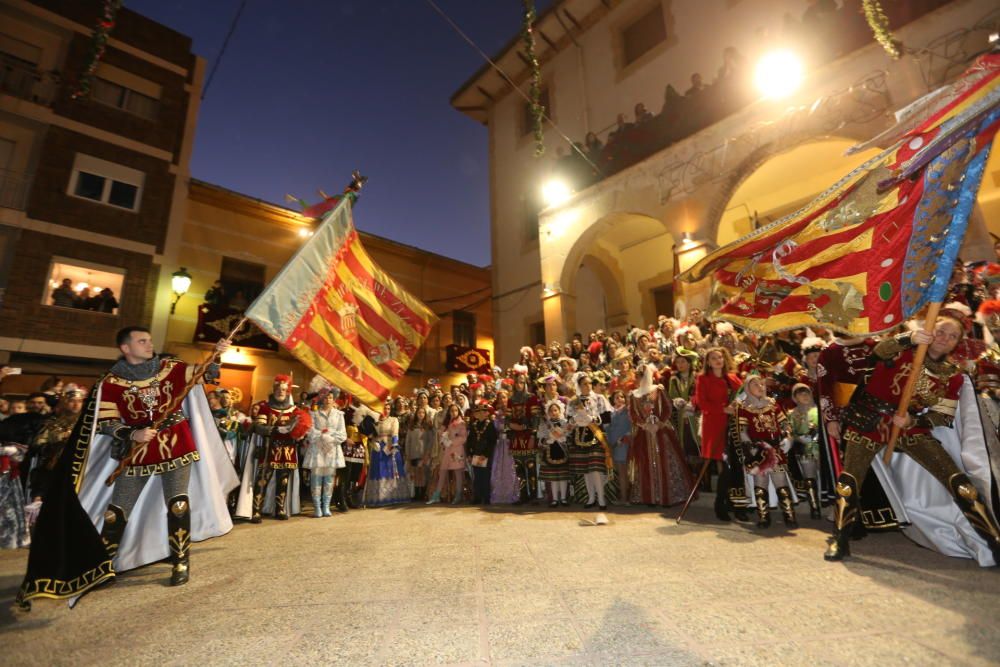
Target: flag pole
{"x": 694, "y": 489}
{"x": 911, "y": 380}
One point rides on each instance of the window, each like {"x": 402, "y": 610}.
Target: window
{"x": 74, "y": 283}
{"x": 643, "y": 34}
{"x": 463, "y": 328}
{"x": 126, "y": 99}
{"x": 528, "y": 121}
{"x": 241, "y": 282}
{"x": 106, "y": 182}
{"x": 663, "y": 299}
{"x": 530, "y": 206}
{"x": 536, "y": 333}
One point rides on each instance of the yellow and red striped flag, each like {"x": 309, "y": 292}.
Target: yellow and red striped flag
{"x": 341, "y": 314}
{"x": 876, "y": 247}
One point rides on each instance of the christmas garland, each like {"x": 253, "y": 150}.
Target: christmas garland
{"x": 98, "y": 43}
{"x": 535, "y": 93}
{"x": 879, "y": 23}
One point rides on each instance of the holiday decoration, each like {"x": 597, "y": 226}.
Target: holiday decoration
{"x": 535, "y": 93}
{"x": 879, "y": 23}
{"x": 98, "y": 43}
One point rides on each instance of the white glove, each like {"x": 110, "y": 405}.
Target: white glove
{"x": 679, "y": 403}
{"x": 786, "y": 445}
{"x": 31, "y": 512}
{"x": 284, "y": 429}
{"x": 8, "y": 450}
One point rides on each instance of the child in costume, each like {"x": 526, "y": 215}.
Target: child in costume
{"x": 804, "y": 423}
{"x": 552, "y": 434}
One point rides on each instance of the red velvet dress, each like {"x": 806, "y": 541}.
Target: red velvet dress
{"x": 711, "y": 396}
{"x": 662, "y": 477}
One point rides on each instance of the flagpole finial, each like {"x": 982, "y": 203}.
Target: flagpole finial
{"x": 357, "y": 181}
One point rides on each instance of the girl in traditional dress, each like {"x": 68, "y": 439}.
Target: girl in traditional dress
{"x": 680, "y": 390}
{"x": 589, "y": 455}
{"x": 387, "y": 483}
{"x": 453, "y": 455}
{"x": 553, "y": 432}
{"x": 662, "y": 477}
{"x": 714, "y": 390}
{"x": 504, "y": 485}
{"x": 324, "y": 455}
{"x": 619, "y": 435}
{"x": 764, "y": 439}
{"x": 418, "y": 442}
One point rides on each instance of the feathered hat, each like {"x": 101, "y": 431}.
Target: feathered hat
{"x": 812, "y": 344}
{"x": 646, "y": 383}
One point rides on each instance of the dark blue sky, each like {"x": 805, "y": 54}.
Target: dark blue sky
{"x": 309, "y": 90}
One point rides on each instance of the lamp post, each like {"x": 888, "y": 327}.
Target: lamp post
{"x": 180, "y": 282}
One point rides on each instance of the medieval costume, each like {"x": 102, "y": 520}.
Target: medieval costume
{"x": 553, "y": 432}
{"x": 232, "y": 425}
{"x": 803, "y": 421}
{"x": 13, "y": 524}
{"x": 712, "y": 396}
{"x": 619, "y": 436}
{"x": 958, "y": 463}
{"x": 504, "y": 485}
{"x": 386, "y": 483}
{"x": 48, "y": 444}
{"x": 171, "y": 490}
{"x": 480, "y": 446}
{"x": 419, "y": 440}
{"x": 350, "y": 480}
{"x": 589, "y": 454}
{"x": 522, "y": 416}
{"x": 278, "y": 426}
{"x": 680, "y": 390}
{"x": 763, "y": 433}
{"x": 661, "y": 475}
{"x": 453, "y": 457}
{"x": 324, "y": 455}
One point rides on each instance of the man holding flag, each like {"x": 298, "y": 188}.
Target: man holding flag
{"x": 871, "y": 252}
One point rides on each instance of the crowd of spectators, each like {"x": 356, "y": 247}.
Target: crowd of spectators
{"x": 101, "y": 301}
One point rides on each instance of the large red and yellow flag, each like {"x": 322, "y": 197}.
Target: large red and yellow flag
{"x": 341, "y": 314}
{"x": 872, "y": 250}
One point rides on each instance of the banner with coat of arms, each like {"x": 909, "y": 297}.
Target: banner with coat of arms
{"x": 467, "y": 359}
{"x": 216, "y": 321}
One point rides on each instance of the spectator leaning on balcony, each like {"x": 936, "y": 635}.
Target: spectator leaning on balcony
{"x": 697, "y": 86}
{"x": 63, "y": 295}
{"x": 641, "y": 115}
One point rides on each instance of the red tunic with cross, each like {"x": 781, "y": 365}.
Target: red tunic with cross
{"x": 139, "y": 403}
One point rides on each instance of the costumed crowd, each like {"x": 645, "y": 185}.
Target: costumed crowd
{"x": 783, "y": 424}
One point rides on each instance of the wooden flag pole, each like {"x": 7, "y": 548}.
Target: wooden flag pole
{"x": 694, "y": 489}
{"x": 911, "y": 380}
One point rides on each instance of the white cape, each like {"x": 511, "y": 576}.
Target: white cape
{"x": 925, "y": 508}
{"x": 244, "y": 502}
{"x": 212, "y": 478}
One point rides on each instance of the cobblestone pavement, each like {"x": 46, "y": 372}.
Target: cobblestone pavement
{"x": 470, "y": 586}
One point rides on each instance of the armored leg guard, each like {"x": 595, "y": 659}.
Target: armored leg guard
{"x": 814, "y": 512}
{"x": 259, "y": 489}
{"x": 114, "y": 528}
{"x": 787, "y": 507}
{"x": 975, "y": 511}
{"x": 179, "y": 537}
{"x": 281, "y": 495}
{"x": 847, "y": 515}
{"x": 763, "y": 511}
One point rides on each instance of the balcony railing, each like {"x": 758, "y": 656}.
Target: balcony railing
{"x": 641, "y": 134}
{"x": 23, "y": 80}
{"x": 14, "y": 186}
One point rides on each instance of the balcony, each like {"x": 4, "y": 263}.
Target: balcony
{"x": 23, "y": 80}
{"x": 14, "y": 186}
{"x": 824, "y": 35}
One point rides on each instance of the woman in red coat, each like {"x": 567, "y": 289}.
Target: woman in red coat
{"x": 713, "y": 392}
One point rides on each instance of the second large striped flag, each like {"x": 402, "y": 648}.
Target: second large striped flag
{"x": 341, "y": 314}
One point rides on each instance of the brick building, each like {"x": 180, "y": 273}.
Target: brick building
{"x": 92, "y": 190}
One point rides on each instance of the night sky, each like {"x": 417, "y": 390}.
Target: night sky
{"x": 309, "y": 91}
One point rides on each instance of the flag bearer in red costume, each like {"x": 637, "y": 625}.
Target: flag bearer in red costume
{"x": 279, "y": 425}
{"x": 871, "y": 413}
{"x": 764, "y": 434}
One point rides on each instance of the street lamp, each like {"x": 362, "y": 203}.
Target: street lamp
{"x": 180, "y": 282}
{"x": 778, "y": 74}
{"x": 556, "y": 191}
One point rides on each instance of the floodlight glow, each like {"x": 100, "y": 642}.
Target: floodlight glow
{"x": 556, "y": 192}
{"x": 778, "y": 74}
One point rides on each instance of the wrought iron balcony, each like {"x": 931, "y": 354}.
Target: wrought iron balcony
{"x": 21, "y": 79}
{"x": 14, "y": 186}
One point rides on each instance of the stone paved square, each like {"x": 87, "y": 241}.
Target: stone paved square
{"x": 500, "y": 586}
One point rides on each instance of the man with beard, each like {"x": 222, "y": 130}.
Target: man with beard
{"x": 278, "y": 426}
{"x": 871, "y": 413}
{"x": 230, "y": 422}
{"x": 50, "y": 441}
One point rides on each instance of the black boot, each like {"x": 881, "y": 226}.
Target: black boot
{"x": 258, "y": 500}
{"x": 787, "y": 507}
{"x": 179, "y": 537}
{"x": 281, "y": 496}
{"x": 814, "y": 512}
{"x": 763, "y": 510}
{"x": 340, "y": 494}
{"x": 972, "y": 507}
{"x": 113, "y": 529}
{"x": 722, "y": 496}
{"x": 847, "y": 516}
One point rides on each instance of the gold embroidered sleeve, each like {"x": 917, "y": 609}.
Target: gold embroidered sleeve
{"x": 892, "y": 347}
